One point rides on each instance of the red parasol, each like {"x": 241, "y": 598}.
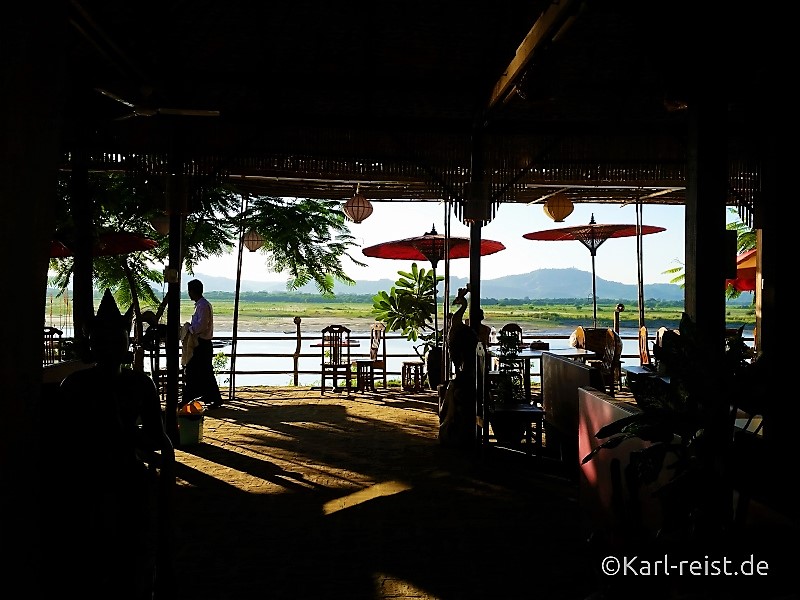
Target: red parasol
{"x": 430, "y": 247}
{"x": 59, "y": 250}
{"x": 108, "y": 244}
{"x": 745, "y": 280}
{"x": 592, "y": 236}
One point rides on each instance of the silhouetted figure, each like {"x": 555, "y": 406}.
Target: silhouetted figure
{"x": 457, "y": 410}
{"x": 199, "y": 379}
{"x": 461, "y": 339}
{"x": 117, "y": 472}
{"x": 484, "y": 331}
{"x": 155, "y": 334}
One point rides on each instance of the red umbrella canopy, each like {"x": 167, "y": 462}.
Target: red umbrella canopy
{"x": 745, "y": 280}
{"x": 108, "y": 244}
{"x": 429, "y": 247}
{"x": 591, "y": 235}
{"x": 59, "y": 250}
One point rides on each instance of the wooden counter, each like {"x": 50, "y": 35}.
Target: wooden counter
{"x": 608, "y": 505}
{"x": 561, "y": 378}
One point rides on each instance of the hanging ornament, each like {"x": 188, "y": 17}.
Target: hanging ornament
{"x": 357, "y": 208}
{"x": 558, "y": 207}
{"x": 253, "y": 240}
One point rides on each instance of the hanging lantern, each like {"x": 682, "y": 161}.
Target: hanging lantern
{"x": 558, "y": 207}
{"x": 253, "y": 240}
{"x": 160, "y": 223}
{"x": 357, "y": 208}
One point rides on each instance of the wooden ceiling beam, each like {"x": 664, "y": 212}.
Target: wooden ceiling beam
{"x": 548, "y": 27}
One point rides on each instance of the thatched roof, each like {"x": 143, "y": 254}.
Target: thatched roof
{"x": 314, "y": 97}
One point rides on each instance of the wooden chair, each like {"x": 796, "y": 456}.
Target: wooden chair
{"x": 659, "y": 341}
{"x": 644, "y": 350}
{"x": 366, "y": 368}
{"x": 647, "y": 365}
{"x": 578, "y": 337}
{"x": 759, "y": 468}
{"x": 613, "y": 357}
{"x": 507, "y": 364}
{"x": 514, "y": 329}
{"x": 647, "y": 362}
{"x": 606, "y": 343}
{"x": 377, "y": 353}
{"x": 154, "y": 338}
{"x": 52, "y": 345}
{"x": 481, "y": 412}
{"x": 508, "y": 412}
{"x": 160, "y": 379}
{"x": 335, "y": 361}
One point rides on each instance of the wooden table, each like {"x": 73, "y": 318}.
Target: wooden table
{"x": 633, "y": 372}
{"x": 527, "y": 355}
{"x": 365, "y": 375}
{"x": 412, "y": 375}
{"x": 337, "y": 348}
{"x": 327, "y": 344}
{"x": 528, "y": 416}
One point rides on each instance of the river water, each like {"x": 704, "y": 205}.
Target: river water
{"x": 310, "y": 356}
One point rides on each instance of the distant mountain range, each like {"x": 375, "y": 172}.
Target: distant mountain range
{"x": 539, "y": 284}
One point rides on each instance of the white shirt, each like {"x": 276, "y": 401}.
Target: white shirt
{"x": 202, "y": 324}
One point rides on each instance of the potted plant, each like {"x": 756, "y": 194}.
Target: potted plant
{"x": 409, "y": 307}
{"x": 686, "y": 421}
{"x": 506, "y": 388}
{"x": 509, "y": 388}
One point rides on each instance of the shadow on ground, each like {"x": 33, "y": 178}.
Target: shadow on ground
{"x": 294, "y": 495}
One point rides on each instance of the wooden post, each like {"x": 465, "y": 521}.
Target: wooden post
{"x": 296, "y": 356}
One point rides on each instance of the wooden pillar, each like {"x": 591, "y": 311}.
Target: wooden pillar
{"x": 776, "y": 232}
{"x": 777, "y": 242}
{"x": 83, "y": 236}
{"x": 477, "y": 204}
{"x": 32, "y": 43}
{"x": 176, "y": 199}
{"x": 706, "y": 250}
{"x": 707, "y": 257}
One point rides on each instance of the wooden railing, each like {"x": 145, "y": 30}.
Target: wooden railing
{"x": 291, "y": 360}
{"x": 393, "y": 354}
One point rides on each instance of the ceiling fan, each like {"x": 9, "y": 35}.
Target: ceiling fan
{"x": 143, "y": 111}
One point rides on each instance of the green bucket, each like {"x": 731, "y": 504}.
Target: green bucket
{"x": 190, "y": 429}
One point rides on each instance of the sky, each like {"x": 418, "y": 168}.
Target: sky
{"x": 615, "y": 260}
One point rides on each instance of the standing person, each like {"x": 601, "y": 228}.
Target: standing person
{"x": 484, "y": 331}
{"x": 199, "y": 378}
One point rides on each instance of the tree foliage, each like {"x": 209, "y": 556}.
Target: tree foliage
{"x": 409, "y": 307}
{"x": 305, "y": 238}
{"x": 745, "y": 240}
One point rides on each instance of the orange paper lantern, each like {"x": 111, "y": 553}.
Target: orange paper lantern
{"x": 558, "y": 207}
